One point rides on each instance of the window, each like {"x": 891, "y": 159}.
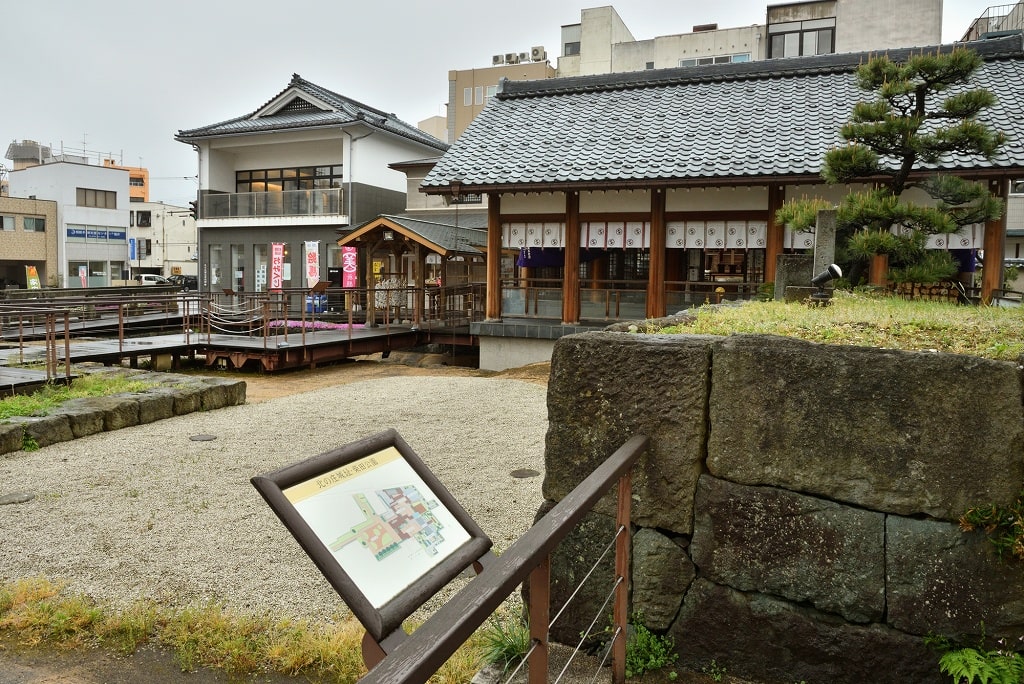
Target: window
{"x": 34, "y": 224}
{"x": 491, "y": 91}
{"x": 802, "y": 38}
{"x": 136, "y": 182}
{"x": 1016, "y": 187}
{"x": 276, "y": 180}
{"x": 467, "y": 97}
{"x": 571, "y": 49}
{"x": 717, "y": 59}
{"x": 6, "y": 223}
{"x": 649, "y": 65}
{"x": 142, "y": 219}
{"x": 101, "y": 199}
{"x": 479, "y": 95}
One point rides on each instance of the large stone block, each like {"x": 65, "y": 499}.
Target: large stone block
{"x": 945, "y": 581}
{"x": 803, "y": 549}
{"x": 82, "y": 417}
{"x": 897, "y": 432}
{"x": 661, "y": 574}
{"x": 117, "y": 412}
{"x": 606, "y": 387}
{"x": 44, "y": 430}
{"x": 770, "y": 640}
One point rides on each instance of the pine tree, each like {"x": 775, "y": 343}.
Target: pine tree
{"x": 912, "y": 122}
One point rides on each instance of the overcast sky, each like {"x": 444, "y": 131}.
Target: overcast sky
{"x": 121, "y": 78}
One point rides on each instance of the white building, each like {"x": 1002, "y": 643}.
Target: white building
{"x": 601, "y": 43}
{"x": 92, "y": 218}
{"x": 162, "y": 240}
{"x": 277, "y": 185}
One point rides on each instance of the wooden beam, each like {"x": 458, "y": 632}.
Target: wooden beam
{"x": 656, "y": 300}
{"x": 571, "y": 271}
{"x": 776, "y": 231}
{"x": 995, "y": 245}
{"x": 492, "y": 310}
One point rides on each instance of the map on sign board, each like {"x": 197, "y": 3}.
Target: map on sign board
{"x": 380, "y": 521}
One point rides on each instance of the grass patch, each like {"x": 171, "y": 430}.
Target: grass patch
{"x": 52, "y": 395}
{"x": 37, "y": 612}
{"x": 873, "y": 321}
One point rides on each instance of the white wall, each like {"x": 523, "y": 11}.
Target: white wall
{"x": 878, "y": 24}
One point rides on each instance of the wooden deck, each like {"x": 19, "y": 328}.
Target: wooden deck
{"x": 164, "y": 329}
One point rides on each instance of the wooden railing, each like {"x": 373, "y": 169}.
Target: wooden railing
{"x": 416, "y": 658}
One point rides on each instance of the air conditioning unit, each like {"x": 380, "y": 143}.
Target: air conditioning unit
{"x": 511, "y": 58}
{"x": 538, "y": 54}
{"x": 497, "y": 59}
{"x": 524, "y": 56}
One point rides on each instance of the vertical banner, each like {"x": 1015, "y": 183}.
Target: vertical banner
{"x": 32, "y": 278}
{"x": 83, "y": 275}
{"x": 349, "y": 267}
{"x": 276, "y": 265}
{"x": 312, "y": 263}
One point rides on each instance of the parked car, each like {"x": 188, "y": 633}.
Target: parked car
{"x": 151, "y": 279}
{"x": 185, "y": 282}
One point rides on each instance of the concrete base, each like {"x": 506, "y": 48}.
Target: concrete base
{"x": 501, "y": 353}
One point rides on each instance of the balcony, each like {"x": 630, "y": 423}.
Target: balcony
{"x": 997, "y": 20}
{"x": 290, "y": 203}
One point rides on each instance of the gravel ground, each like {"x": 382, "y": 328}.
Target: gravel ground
{"x": 146, "y": 512}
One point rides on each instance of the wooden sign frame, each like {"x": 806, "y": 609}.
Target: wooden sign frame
{"x": 378, "y": 524}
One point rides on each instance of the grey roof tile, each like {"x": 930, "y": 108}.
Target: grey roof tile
{"x": 341, "y": 110}
{"x": 757, "y": 119}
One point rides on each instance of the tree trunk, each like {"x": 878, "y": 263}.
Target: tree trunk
{"x": 878, "y": 273}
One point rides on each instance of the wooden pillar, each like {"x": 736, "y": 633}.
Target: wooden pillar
{"x": 419, "y": 291}
{"x": 371, "y": 311}
{"x": 656, "y": 300}
{"x": 492, "y": 311}
{"x": 776, "y": 231}
{"x": 571, "y": 272}
{"x": 994, "y": 245}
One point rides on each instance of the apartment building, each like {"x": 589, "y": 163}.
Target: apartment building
{"x": 92, "y": 217}
{"x": 28, "y": 242}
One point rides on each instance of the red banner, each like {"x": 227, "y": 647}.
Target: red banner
{"x": 349, "y": 262}
{"x": 276, "y": 266}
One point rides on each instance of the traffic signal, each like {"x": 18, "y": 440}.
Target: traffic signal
{"x": 194, "y": 208}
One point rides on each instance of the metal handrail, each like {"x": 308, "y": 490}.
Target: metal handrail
{"x": 419, "y": 656}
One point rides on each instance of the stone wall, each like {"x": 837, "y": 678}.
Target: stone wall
{"x": 796, "y": 514}
{"x": 171, "y": 394}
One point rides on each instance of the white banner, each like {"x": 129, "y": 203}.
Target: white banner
{"x": 312, "y": 263}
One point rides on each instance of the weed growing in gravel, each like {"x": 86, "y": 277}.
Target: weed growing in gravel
{"x": 52, "y": 395}
{"x": 36, "y": 612}
{"x": 506, "y": 639}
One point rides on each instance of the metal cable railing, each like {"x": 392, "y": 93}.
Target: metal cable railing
{"x": 417, "y": 657}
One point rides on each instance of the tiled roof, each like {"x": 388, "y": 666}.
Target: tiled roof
{"x": 339, "y": 110}
{"x": 454, "y": 234}
{"x": 745, "y": 121}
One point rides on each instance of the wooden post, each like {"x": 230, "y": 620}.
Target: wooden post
{"x": 540, "y": 618}
{"x": 620, "y": 612}
{"x": 493, "y": 308}
{"x": 776, "y": 231}
{"x": 994, "y": 245}
{"x": 419, "y": 291}
{"x": 656, "y": 300}
{"x": 571, "y": 271}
